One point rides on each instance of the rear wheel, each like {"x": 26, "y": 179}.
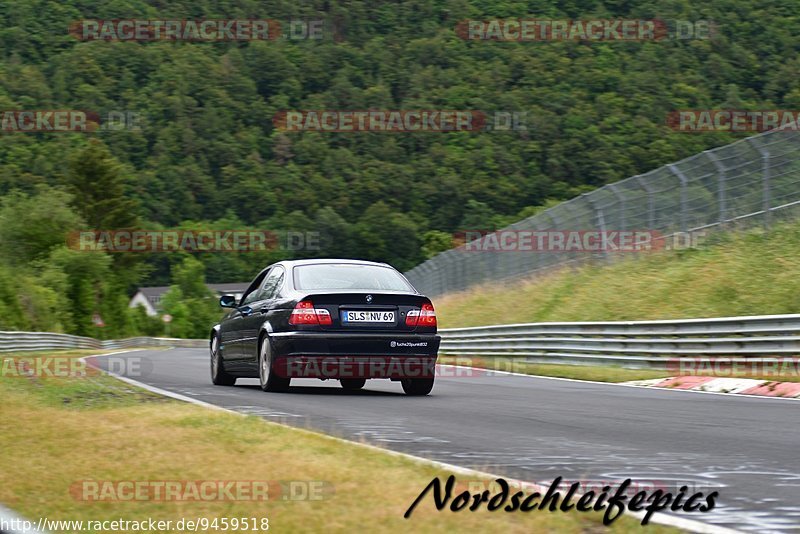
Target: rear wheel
{"x": 266, "y": 373}
{"x": 218, "y": 375}
{"x": 353, "y": 383}
{"x": 417, "y": 386}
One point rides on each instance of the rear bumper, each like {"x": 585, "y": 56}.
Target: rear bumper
{"x": 343, "y": 355}
{"x": 346, "y": 344}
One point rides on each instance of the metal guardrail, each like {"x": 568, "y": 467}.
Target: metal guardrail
{"x": 154, "y": 342}
{"x": 35, "y": 341}
{"x": 633, "y": 344}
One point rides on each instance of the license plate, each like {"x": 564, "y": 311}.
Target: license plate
{"x": 368, "y": 317}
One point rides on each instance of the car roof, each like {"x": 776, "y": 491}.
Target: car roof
{"x": 294, "y": 263}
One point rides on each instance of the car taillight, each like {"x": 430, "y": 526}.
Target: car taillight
{"x": 423, "y": 317}
{"x": 427, "y": 317}
{"x": 305, "y": 313}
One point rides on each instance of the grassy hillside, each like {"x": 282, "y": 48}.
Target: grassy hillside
{"x": 746, "y": 273}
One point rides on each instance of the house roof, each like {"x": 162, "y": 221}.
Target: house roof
{"x": 158, "y": 291}
{"x": 235, "y": 287}
{"x": 151, "y": 292}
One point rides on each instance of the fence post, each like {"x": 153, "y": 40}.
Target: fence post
{"x": 720, "y": 185}
{"x": 621, "y": 200}
{"x": 682, "y": 177}
{"x": 766, "y": 194}
{"x": 767, "y": 191}
{"x": 598, "y": 215}
{"x": 434, "y": 278}
{"x": 651, "y": 206}
{"x": 449, "y": 278}
{"x": 540, "y": 259}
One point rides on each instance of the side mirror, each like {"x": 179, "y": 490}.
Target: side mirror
{"x": 227, "y": 301}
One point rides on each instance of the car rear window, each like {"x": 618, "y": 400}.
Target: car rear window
{"x": 349, "y": 276}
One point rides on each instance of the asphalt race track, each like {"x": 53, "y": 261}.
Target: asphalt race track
{"x": 537, "y": 429}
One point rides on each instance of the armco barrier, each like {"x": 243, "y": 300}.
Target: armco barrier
{"x": 634, "y": 344}
{"x": 33, "y": 341}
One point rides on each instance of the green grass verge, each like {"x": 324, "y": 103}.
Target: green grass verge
{"x": 589, "y": 372}
{"x": 744, "y": 273}
{"x": 577, "y": 372}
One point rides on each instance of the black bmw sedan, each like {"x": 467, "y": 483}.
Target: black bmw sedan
{"x": 346, "y": 320}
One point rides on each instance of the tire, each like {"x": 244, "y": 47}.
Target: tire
{"x": 268, "y": 380}
{"x": 219, "y": 377}
{"x": 417, "y": 387}
{"x": 353, "y": 384}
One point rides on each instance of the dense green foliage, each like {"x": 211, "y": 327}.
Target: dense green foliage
{"x": 207, "y": 155}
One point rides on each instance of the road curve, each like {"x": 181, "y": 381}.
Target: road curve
{"x": 536, "y": 429}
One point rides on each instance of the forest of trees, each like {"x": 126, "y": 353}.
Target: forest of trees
{"x": 206, "y": 154}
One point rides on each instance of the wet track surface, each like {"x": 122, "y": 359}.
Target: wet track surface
{"x": 537, "y": 429}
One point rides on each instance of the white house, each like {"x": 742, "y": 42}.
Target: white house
{"x": 150, "y": 297}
